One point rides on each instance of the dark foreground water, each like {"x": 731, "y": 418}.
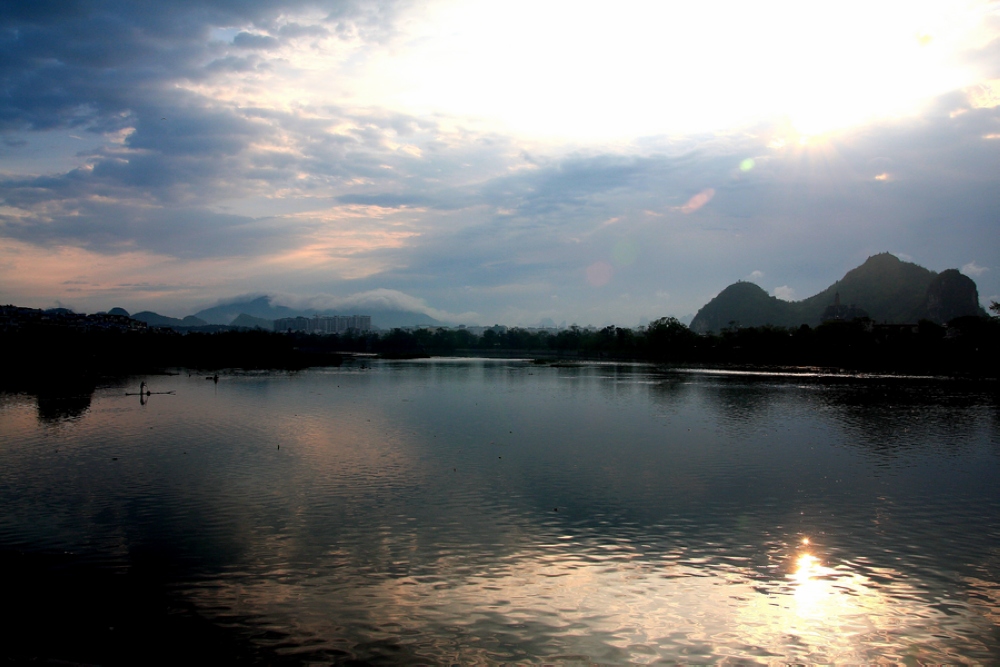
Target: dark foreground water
{"x": 485, "y": 512}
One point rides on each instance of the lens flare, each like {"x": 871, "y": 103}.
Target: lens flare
{"x": 599, "y": 274}
{"x": 625, "y": 253}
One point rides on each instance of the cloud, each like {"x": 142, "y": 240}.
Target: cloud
{"x": 785, "y": 293}
{"x": 378, "y": 300}
{"x": 276, "y": 183}
{"x": 698, "y": 200}
{"x": 385, "y": 200}
{"x": 755, "y": 276}
{"x": 209, "y": 144}
{"x": 88, "y": 63}
{"x": 973, "y": 269}
{"x": 246, "y": 40}
{"x": 115, "y": 228}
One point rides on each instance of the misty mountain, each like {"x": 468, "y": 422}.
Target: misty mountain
{"x": 251, "y": 322}
{"x": 157, "y": 320}
{"x": 261, "y": 307}
{"x": 884, "y": 288}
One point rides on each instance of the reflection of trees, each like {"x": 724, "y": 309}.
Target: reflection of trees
{"x": 995, "y": 422}
{"x": 885, "y": 416}
{"x": 671, "y": 389}
{"x": 64, "y": 403}
{"x": 740, "y": 402}
{"x": 670, "y": 393}
{"x": 888, "y": 417}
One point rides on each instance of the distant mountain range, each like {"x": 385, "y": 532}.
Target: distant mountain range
{"x": 262, "y": 309}
{"x": 260, "y": 312}
{"x": 884, "y": 288}
{"x": 157, "y": 320}
{"x": 259, "y": 307}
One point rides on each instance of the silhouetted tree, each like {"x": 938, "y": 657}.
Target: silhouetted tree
{"x": 668, "y": 338}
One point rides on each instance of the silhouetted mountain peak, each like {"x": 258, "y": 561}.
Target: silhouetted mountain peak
{"x": 884, "y": 288}
{"x": 743, "y": 288}
{"x": 258, "y": 306}
{"x": 951, "y": 294}
{"x": 157, "y": 320}
{"x": 742, "y": 304}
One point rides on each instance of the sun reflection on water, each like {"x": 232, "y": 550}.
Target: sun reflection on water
{"x": 613, "y": 605}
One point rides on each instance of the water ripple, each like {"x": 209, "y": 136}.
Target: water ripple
{"x": 468, "y": 513}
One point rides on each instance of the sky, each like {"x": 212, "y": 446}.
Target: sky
{"x": 483, "y": 162}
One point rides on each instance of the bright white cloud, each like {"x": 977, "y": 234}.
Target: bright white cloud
{"x": 973, "y": 269}
{"x": 755, "y": 276}
{"x": 785, "y": 293}
{"x": 985, "y": 95}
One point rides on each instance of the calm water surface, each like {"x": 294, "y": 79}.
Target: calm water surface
{"x": 484, "y": 512}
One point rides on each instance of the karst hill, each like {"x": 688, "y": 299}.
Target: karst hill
{"x": 884, "y": 288}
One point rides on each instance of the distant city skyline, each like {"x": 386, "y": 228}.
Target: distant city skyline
{"x": 483, "y": 163}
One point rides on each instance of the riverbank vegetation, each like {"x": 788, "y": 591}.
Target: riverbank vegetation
{"x": 41, "y": 353}
{"x": 967, "y": 346}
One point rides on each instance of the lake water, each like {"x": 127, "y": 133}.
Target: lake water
{"x": 487, "y": 512}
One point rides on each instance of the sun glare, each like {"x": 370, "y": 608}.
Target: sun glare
{"x": 561, "y": 69}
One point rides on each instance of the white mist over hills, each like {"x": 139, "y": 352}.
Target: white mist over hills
{"x": 388, "y": 309}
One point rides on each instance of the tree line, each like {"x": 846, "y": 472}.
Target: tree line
{"x": 967, "y": 346}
